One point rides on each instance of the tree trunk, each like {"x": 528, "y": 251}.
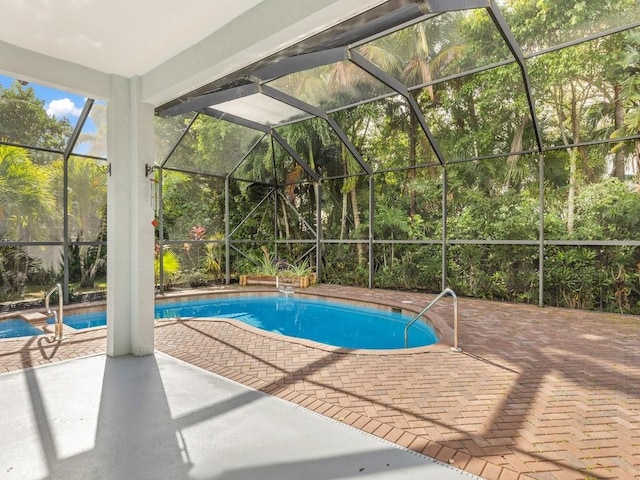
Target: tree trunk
{"x": 285, "y": 222}
{"x": 573, "y": 152}
{"x": 637, "y": 160}
{"x": 411, "y": 174}
{"x": 6, "y": 282}
{"x": 356, "y": 224}
{"x": 88, "y": 273}
{"x": 516, "y": 146}
{"x": 88, "y": 277}
{"x": 571, "y": 197}
{"x": 345, "y": 194}
{"x": 343, "y": 217}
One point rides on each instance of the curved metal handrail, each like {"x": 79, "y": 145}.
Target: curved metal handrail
{"x": 446, "y": 291}
{"x": 58, "y": 331}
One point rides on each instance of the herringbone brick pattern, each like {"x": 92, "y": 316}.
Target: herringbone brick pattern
{"x": 537, "y": 393}
{"x": 25, "y": 352}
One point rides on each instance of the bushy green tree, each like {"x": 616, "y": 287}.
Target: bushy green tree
{"x": 24, "y": 120}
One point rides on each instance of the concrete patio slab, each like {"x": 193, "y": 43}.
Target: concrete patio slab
{"x": 157, "y": 417}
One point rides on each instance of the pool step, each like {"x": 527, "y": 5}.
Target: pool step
{"x": 32, "y": 317}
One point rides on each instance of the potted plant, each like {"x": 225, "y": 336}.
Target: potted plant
{"x": 304, "y": 272}
{"x": 269, "y": 271}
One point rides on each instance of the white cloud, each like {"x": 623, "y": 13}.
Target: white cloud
{"x": 63, "y": 107}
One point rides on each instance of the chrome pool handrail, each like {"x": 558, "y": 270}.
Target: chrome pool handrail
{"x": 446, "y": 291}
{"x": 59, "y": 317}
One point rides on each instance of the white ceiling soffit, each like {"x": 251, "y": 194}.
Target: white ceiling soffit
{"x": 175, "y": 47}
{"x": 123, "y": 37}
{"x": 260, "y": 32}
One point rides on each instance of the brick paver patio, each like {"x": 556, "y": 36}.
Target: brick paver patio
{"x": 536, "y": 393}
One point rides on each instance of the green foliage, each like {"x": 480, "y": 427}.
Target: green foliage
{"x": 193, "y": 278}
{"x": 414, "y": 268}
{"x": 577, "y": 91}
{"x": 212, "y": 260}
{"x": 24, "y": 120}
{"x": 512, "y": 216}
{"x": 299, "y": 269}
{"x": 189, "y": 200}
{"x": 170, "y": 266}
{"x": 268, "y": 265}
{"x": 608, "y": 210}
{"x": 265, "y": 264}
{"x": 16, "y": 266}
{"x": 573, "y": 278}
{"x": 341, "y": 267}
{"x": 499, "y": 272}
{"x": 629, "y": 97}
{"x": 26, "y": 202}
{"x": 86, "y": 262}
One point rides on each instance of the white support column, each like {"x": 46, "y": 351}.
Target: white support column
{"x": 130, "y": 249}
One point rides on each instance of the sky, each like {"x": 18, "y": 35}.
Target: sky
{"x": 57, "y": 103}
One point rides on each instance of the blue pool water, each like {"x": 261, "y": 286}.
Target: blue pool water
{"x": 326, "y": 322}
{"x": 84, "y": 320}
{"x": 323, "y": 321}
{"x": 17, "y": 327}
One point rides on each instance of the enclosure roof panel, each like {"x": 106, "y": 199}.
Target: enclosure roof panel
{"x": 332, "y": 86}
{"x": 437, "y": 47}
{"x": 443, "y": 73}
{"x": 262, "y": 109}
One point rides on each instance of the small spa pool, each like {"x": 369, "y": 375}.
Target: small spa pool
{"x": 328, "y": 322}
{"x": 16, "y": 327}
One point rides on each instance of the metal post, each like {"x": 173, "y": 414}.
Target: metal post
{"x": 541, "y": 236}
{"x": 161, "y": 232}
{"x": 227, "y": 241}
{"x": 318, "y": 190}
{"x": 65, "y": 228}
{"x": 444, "y": 226}
{"x": 68, "y": 151}
{"x": 276, "y": 237}
{"x": 371, "y": 214}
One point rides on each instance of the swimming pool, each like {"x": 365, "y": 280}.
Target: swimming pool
{"x": 326, "y": 322}
{"x": 331, "y": 323}
{"x": 16, "y": 327}
{"x": 84, "y": 320}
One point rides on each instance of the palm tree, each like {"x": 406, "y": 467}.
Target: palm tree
{"x": 389, "y": 222}
{"x": 26, "y": 206}
{"x": 88, "y": 215}
{"x": 627, "y": 103}
{"x": 308, "y": 139}
{"x": 417, "y": 55}
{"x": 26, "y": 201}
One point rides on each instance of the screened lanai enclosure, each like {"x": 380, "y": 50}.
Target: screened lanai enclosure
{"x": 487, "y": 146}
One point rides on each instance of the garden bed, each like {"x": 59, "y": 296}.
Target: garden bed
{"x": 277, "y": 281}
